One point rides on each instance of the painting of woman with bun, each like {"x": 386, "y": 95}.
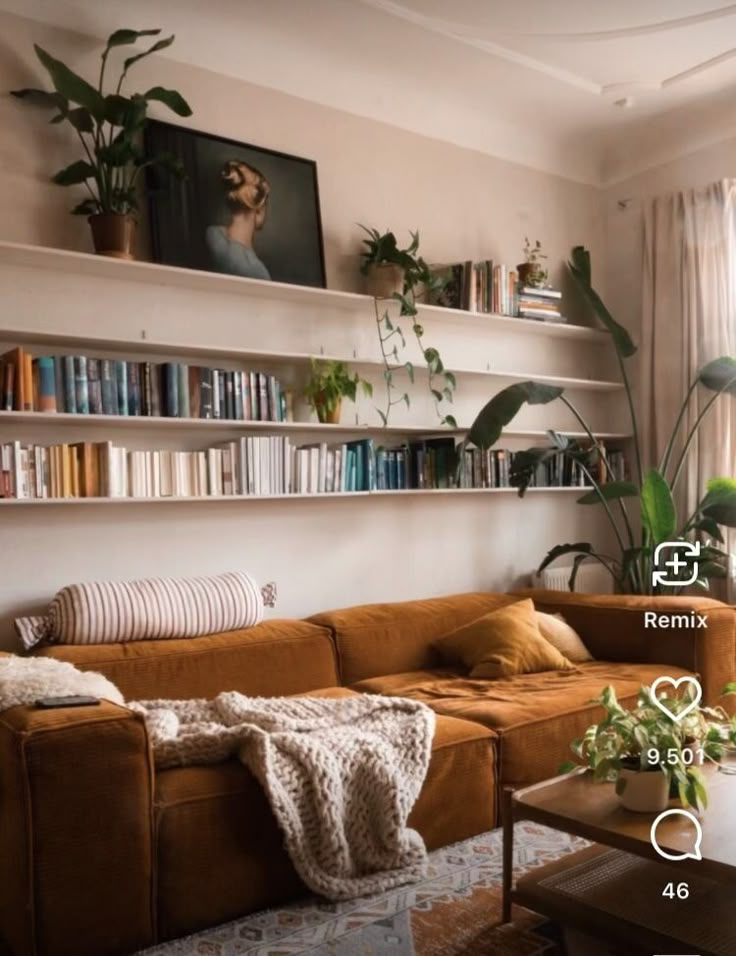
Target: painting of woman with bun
{"x": 231, "y": 247}
{"x": 241, "y": 210}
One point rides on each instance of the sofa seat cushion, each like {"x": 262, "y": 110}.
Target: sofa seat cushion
{"x": 535, "y": 716}
{"x": 220, "y": 853}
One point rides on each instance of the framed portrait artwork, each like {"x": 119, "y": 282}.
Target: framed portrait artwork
{"x": 240, "y": 209}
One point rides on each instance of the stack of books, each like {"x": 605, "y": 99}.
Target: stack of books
{"x": 541, "y": 304}
{"x": 478, "y": 287}
{"x": 87, "y": 385}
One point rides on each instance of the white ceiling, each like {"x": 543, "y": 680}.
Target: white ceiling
{"x": 535, "y": 81}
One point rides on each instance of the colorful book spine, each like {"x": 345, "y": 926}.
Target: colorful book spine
{"x": 121, "y": 381}
{"x": 46, "y": 384}
{"x": 108, "y": 388}
{"x": 81, "y": 384}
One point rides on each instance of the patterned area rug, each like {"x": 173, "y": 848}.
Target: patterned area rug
{"x": 456, "y": 911}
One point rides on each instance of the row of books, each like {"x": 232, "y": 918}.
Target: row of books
{"x": 489, "y": 287}
{"x": 479, "y": 287}
{"x": 262, "y": 465}
{"x": 84, "y": 385}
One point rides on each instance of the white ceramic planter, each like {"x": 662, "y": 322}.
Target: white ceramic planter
{"x": 643, "y": 791}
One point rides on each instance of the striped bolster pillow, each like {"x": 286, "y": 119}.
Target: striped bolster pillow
{"x": 105, "y": 612}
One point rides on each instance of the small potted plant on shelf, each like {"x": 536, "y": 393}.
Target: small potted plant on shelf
{"x": 531, "y": 272}
{"x": 328, "y": 384}
{"x": 388, "y": 269}
{"x": 649, "y": 755}
{"x": 109, "y": 127}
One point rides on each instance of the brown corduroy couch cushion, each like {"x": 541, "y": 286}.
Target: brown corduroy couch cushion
{"x": 612, "y": 627}
{"x": 535, "y": 716}
{"x": 217, "y": 821}
{"x": 76, "y": 834}
{"x": 377, "y": 639}
{"x": 274, "y": 658}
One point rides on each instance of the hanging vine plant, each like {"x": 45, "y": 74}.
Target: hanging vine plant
{"x": 382, "y": 249}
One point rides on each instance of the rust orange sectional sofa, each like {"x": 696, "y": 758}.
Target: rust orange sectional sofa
{"x": 100, "y": 854}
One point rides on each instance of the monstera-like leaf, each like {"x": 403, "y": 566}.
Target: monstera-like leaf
{"x": 503, "y": 408}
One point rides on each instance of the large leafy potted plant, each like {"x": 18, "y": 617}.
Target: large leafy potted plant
{"x": 109, "y": 127}
{"x": 410, "y": 276}
{"x": 649, "y": 755}
{"x": 328, "y": 384}
{"x": 632, "y": 563}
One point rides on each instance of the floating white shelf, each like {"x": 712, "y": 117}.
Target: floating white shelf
{"x": 239, "y": 354}
{"x": 144, "y": 422}
{"x": 101, "y": 267}
{"x": 222, "y": 499}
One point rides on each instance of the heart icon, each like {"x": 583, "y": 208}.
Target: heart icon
{"x": 675, "y": 684}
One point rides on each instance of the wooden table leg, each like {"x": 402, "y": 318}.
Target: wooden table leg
{"x": 508, "y": 854}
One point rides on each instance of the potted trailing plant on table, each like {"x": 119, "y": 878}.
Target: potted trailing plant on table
{"x": 411, "y": 275}
{"x": 651, "y": 756}
{"x": 632, "y": 562}
{"x": 328, "y": 384}
{"x": 109, "y": 127}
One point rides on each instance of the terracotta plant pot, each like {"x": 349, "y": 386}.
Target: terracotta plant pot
{"x": 643, "y": 791}
{"x": 325, "y": 415}
{"x": 383, "y": 279}
{"x": 113, "y": 235}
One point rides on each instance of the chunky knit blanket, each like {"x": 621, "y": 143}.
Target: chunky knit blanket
{"x": 341, "y": 775}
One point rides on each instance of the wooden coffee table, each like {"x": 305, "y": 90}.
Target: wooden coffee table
{"x": 613, "y": 890}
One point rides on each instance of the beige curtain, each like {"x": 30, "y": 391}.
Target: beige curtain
{"x": 689, "y": 318}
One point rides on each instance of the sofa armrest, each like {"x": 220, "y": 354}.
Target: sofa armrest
{"x": 76, "y": 866}
{"x": 615, "y": 628}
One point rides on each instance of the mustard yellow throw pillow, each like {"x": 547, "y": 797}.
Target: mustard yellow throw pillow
{"x": 555, "y": 629}
{"x": 503, "y": 643}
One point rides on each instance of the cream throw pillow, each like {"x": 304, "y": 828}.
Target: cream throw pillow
{"x": 555, "y": 629}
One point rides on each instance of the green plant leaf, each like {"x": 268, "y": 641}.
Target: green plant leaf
{"x": 719, "y": 503}
{"x": 409, "y": 371}
{"x": 125, "y": 37}
{"x": 175, "y": 101}
{"x": 81, "y": 119}
{"x": 43, "y": 98}
{"x": 450, "y": 379}
{"x": 77, "y": 173}
{"x": 580, "y": 269}
{"x": 71, "y": 86}
{"x": 88, "y": 207}
{"x": 158, "y": 45}
{"x": 582, "y": 547}
{"x": 708, "y": 526}
{"x": 611, "y": 491}
{"x": 719, "y": 375}
{"x": 503, "y": 408}
{"x": 450, "y": 421}
{"x": 116, "y": 109}
{"x": 658, "y": 510}
{"x": 407, "y": 400}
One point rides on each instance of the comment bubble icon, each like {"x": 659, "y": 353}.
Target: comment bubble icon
{"x": 697, "y": 837}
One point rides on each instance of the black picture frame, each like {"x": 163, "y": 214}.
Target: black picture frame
{"x": 240, "y": 209}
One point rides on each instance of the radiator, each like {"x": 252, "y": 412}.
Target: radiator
{"x": 591, "y": 579}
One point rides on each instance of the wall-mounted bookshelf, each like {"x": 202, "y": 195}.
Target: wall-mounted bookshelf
{"x": 157, "y": 422}
{"x": 45, "y": 258}
{"x": 157, "y": 314}
{"x": 101, "y": 345}
{"x": 231, "y": 499}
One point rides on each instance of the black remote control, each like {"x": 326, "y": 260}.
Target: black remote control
{"x": 49, "y": 703}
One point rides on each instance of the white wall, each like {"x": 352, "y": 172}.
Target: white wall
{"x": 322, "y": 553}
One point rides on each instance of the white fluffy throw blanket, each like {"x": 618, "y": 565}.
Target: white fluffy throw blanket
{"x": 341, "y": 775}
{"x": 24, "y": 680}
